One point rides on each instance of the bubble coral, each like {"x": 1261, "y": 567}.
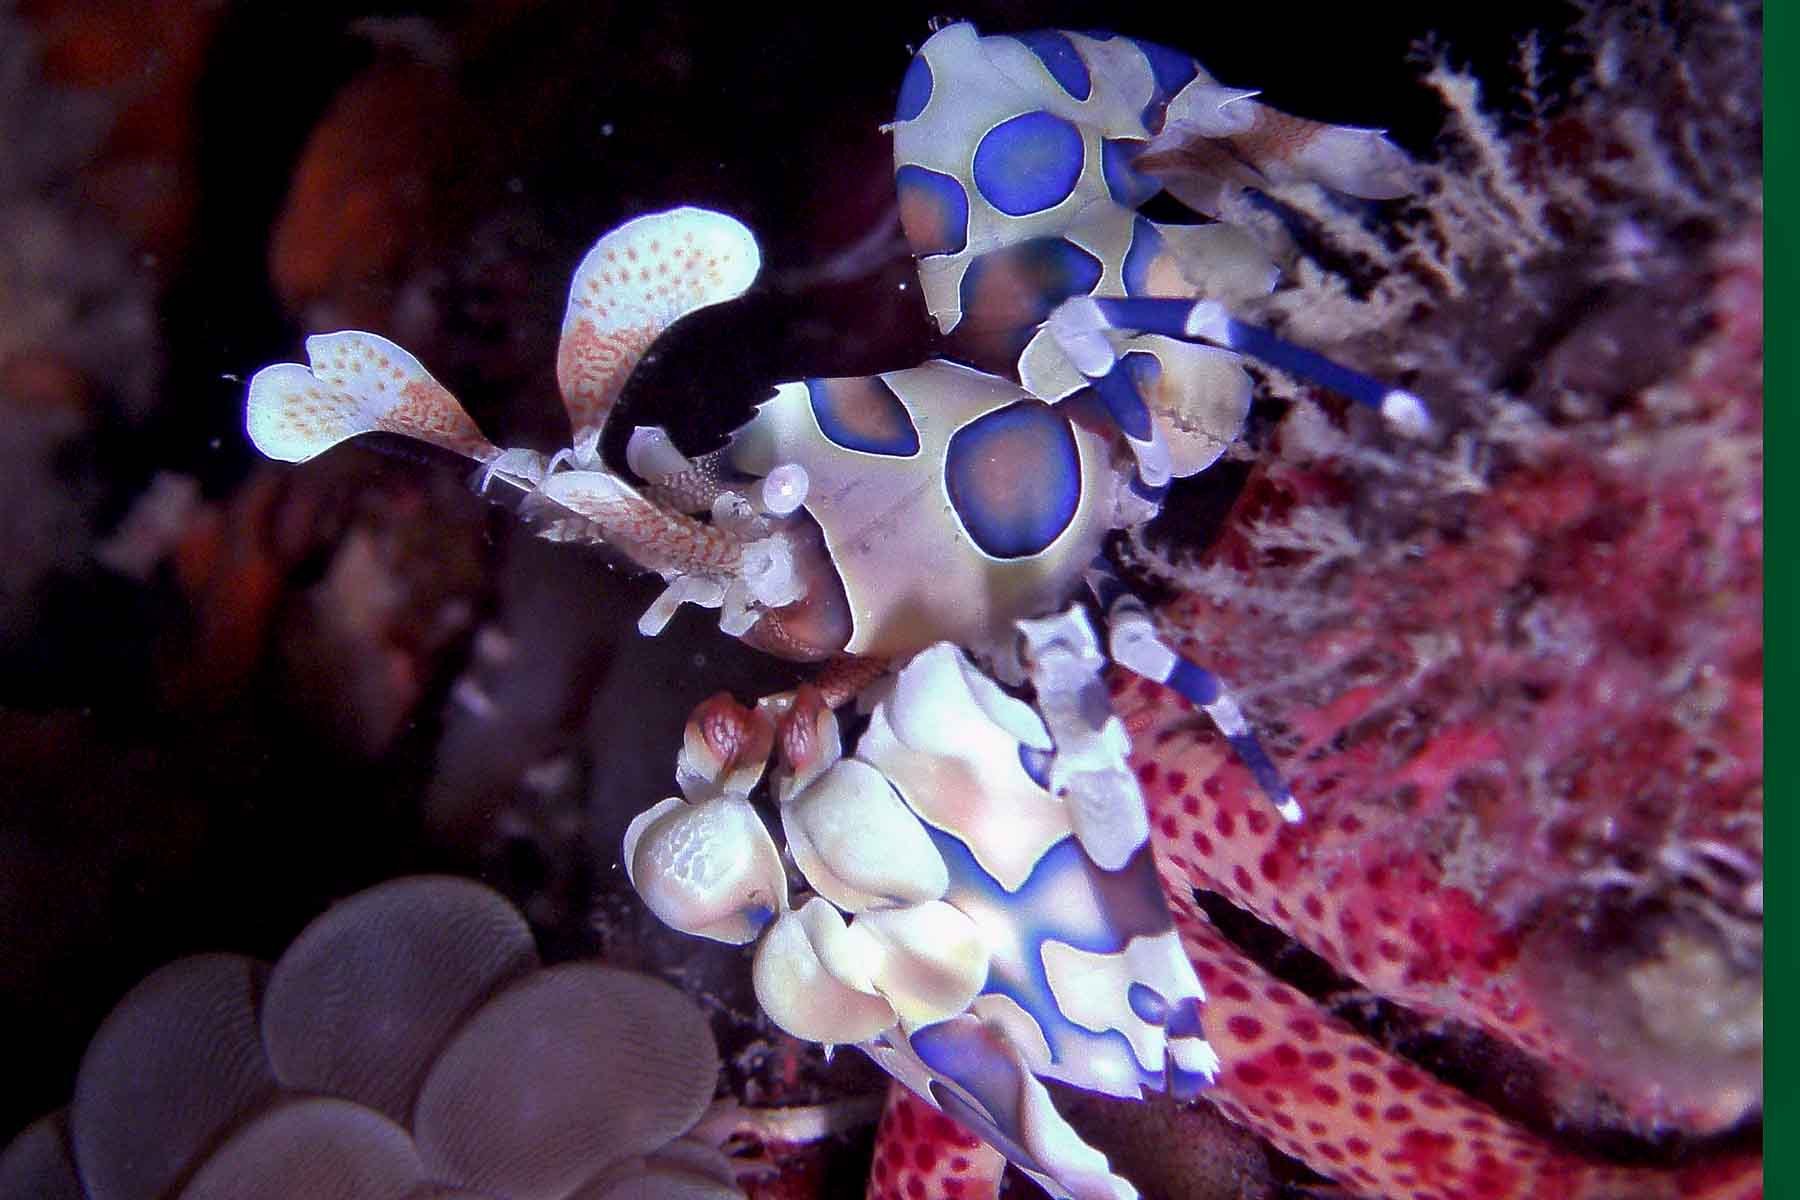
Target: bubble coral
{"x": 407, "y": 1044}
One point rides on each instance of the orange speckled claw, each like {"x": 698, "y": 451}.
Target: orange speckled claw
{"x": 358, "y": 383}
{"x": 636, "y": 282}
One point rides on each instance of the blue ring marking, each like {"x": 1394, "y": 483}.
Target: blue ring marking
{"x": 1123, "y": 404}
{"x": 1145, "y": 370}
{"x": 1014, "y": 478}
{"x": 1151, "y": 314}
{"x": 1309, "y": 365}
{"x": 1036, "y": 764}
{"x": 1186, "y": 1085}
{"x": 1148, "y": 1003}
{"x": 1171, "y": 70}
{"x": 1124, "y": 183}
{"x": 1195, "y": 682}
{"x": 1186, "y": 1020}
{"x": 863, "y": 413}
{"x": 1029, "y": 163}
{"x": 960, "y": 1051}
{"x": 1016, "y": 286}
{"x": 934, "y": 210}
{"x": 1152, "y": 495}
{"x": 1146, "y": 244}
{"x": 1061, "y": 59}
{"x": 1262, "y": 768}
{"x": 915, "y": 89}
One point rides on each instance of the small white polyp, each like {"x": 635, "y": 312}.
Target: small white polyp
{"x": 686, "y": 589}
{"x": 768, "y": 567}
{"x": 783, "y": 489}
{"x": 651, "y": 453}
{"x": 1406, "y": 413}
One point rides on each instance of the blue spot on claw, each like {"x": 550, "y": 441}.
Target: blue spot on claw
{"x": 863, "y": 413}
{"x": 934, "y": 211}
{"x": 1146, "y": 244}
{"x": 1172, "y": 71}
{"x": 1029, "y": 163}
{"x": 1148, "y": 1003}
{"x": 915, "y": 90}
{"x": 1014, "y": 478}
{"x": 1061, "y": 59}
{"x": 1124, "y": 183}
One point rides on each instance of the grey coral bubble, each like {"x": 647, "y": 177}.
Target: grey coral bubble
{"x": 661, "y": 1183}
{"x": 319, "y": 1148}
{"x": 697, "y": 1158}
{"x": 364, "y": 999}
{"x": 176, "y": 1061}
{"x": 573, "y": 1069}
{"x": 685, "y": 1169}
{"x": 37, "y": 1165}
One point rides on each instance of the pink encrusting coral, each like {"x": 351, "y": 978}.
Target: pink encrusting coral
{"x": 1513, "y": 740}
{"x": 921, "y": 1153}
{"x": 1344, "y": 887}
{"x": 1513, "y": 673}
{"x": 1322, "y": 1092}
{"x": 1515, "y": 679}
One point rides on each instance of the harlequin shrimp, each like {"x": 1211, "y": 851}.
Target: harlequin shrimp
{"x": 1005, "y": 924}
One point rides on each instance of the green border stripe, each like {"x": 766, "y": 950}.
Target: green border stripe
{"x": 1781, "y": 332}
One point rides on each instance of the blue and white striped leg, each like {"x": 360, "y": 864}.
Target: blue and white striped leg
{"x": 1134, "y": 644}
{"x": 1086, "y": 344}
{"x": 1080, "y": 327}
